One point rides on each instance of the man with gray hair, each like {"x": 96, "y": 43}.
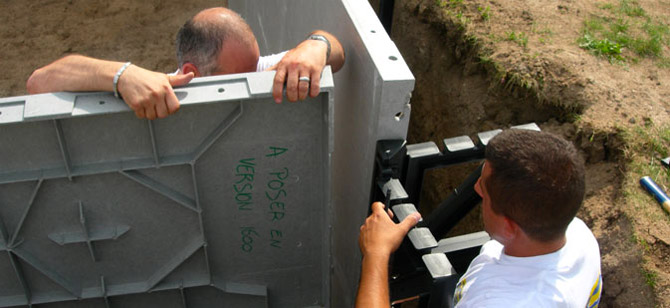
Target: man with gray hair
{"x": 215, "y": 41}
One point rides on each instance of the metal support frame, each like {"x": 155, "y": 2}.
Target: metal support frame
{"x": 423, "y": 267}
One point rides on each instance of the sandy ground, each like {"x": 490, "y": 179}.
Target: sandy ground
{"x": 35, "y": 33}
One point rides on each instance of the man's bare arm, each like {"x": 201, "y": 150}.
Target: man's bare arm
{"x": 373, "y": 289}
{"x": 379, "y": 237}
{"x": 147, "y": 93}
{"x": 306, "y": 60}
{"x": 74, "y": 73}
{"x": 337, "y": 57}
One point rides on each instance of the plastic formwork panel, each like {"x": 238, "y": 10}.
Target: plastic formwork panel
{"x": 225, "y": 203}
{"x": 372, "y": 96}
{"x": 177, "y": 168}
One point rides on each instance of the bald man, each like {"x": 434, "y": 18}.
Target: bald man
{"x": 215, "y": 41}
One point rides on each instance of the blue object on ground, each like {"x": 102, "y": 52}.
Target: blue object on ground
{"x": 656, "y": 191}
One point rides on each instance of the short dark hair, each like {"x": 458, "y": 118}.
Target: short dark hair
{"x": 537, "y": 180}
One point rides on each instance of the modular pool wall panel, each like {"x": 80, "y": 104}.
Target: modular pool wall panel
{"x": 372, "y": 93}
{"x": 212, "y": 206}
{"x": 234, "y": 201}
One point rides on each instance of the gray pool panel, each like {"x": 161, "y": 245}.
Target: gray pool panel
{"x": 120, "y": 212}
{"x": 225, "y": 201}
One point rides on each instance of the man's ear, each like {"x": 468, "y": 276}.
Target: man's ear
{"x": 511, "y": 229}
{"x": 188, "y": 68}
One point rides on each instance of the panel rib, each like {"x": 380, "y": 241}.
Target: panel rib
{"x": 3, "y": 235}
{"x": 19, "y": 274}
{"x": 171, "y": 265}
{"x": 217, "y": 132}
{"x": 183, "y": 295}
{"x": 161, "y": 189}
{"x": 200, "y": 221}
{"x": 84, "y": 229}
{"x": 25, "y": 214}
{"x": 55, "y": 277}
{"x": 63, "y": 149}
{"x": 153, "y": 142}
{"x": 103, "y": 286}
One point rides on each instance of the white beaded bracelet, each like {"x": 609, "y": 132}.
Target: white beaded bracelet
{"x": 116, "y": 79}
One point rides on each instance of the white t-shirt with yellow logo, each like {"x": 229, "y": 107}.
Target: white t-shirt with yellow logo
{"x": 569, "y": 277}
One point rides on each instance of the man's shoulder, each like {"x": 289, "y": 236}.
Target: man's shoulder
{"x": 492, "y": 279}
{"x": 581, "y": 243}
{"x": 492, "y": 294}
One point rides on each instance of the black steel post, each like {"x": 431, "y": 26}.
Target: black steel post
{"x": 386, "y": 14}
{"x": 455, "y": 207}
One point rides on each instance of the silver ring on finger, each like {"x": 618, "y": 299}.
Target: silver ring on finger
{"x": 304, "y": 78}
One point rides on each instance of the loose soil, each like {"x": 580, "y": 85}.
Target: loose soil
{"x": 458, "y": 92}
{"x": 35, "y": 33}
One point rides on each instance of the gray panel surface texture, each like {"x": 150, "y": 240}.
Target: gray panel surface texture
{"x": 224, "y": 204}
{"x": 371, "y": 103}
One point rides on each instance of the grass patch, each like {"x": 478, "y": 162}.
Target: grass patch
{"x": 520, "y": 38}
{"x": 544, "y": 34}
{"x": 650, "y": 277}
{"x": 605, "y": 6}
{"x": 631, "y": 8}
{"x": 625, "y": 32}
{"x": 644, "y": 148}
{"x": 604, "y": 47}
{"x": 484, "y": 13}
{"x": 449, "y": 3}
{"x": 648, "y": 142}
{"x": 664, "y": 63}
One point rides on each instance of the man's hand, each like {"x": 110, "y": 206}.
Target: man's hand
{"x": 380, "y": 236}
{"x": 149, "y": 93}
{"x": 306, "y": 60}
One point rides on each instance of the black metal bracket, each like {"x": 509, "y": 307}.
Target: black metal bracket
{"x": 386, "y": 14}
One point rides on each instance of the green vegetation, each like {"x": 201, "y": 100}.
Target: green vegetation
{"x": 644, "y": 147}
{"x": 602, "y": 47}
{"x": 606, "y": 6}
{"x": 455, "y": 8}
{"x": 650, "y": 277}
{"x": 649, "y": 143}
{"x": 485, "y": 13}
{"x": 624, "y": 33}
{"x": 644, "y": 244}
{"x": 520, "y": 38}
{"x": 449, "y": 3}
{"x": 543, "y": 35}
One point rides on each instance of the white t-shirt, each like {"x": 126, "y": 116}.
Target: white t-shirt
{"x": 266, "y": 62}
{"x": 569, "y": 277}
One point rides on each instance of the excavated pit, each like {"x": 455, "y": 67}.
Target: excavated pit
{"x": 456, "y": 93}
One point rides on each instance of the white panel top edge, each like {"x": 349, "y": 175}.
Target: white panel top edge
{"x": 384, "y": 53}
